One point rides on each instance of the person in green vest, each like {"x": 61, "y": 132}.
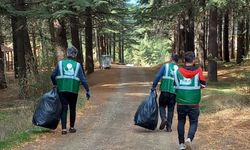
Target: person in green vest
{"x": 67, "y": 77}
{"x": 189, "y": 81}
{"x": 167, "y": 96}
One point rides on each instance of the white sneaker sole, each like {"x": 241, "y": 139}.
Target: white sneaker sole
{"x": 188, "y": 145}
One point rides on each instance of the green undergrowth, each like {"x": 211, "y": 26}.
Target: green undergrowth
{"x": 20, "y": 137}
{"x": 16, "y": 125}
{"x": 226, "y": 94}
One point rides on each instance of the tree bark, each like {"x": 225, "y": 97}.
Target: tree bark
{"x": 189, "y": 29}
{"x": 30, "y": 58}
{"x": 114, "y": 44}
{"x": 97, "y": 44}
{"x": 220, "y": 22}
{"x": 14, "y": 20}
{"x": 225, "y": 37}
{"x": 74, "y": 26}
{"x": 102, "y": 42}
{"x": 120, "y": 48}
{"x": 34, "y": 45}
{"x": 233, "y": 38}
{"x": 212, "y": 46}
{"x": 202, "y": 36}
{"x": 60, "y": 39}
{"x": 53, "y": 40}
{"x": 19, "y": 32}
{"x": 240, "y": 41}
{"x": 247, "y": 36}
{"x": 3, "y": 83}
{"x": 88, "y": 41}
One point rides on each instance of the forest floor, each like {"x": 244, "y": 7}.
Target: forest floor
{"x": 106, "y": 122}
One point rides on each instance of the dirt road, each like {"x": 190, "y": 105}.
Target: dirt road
{"x": 107, "y": 121}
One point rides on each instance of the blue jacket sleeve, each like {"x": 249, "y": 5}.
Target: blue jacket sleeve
{"x": 83, "y": 79}
{"x": 54, "y": 74}
{"x": 158, "y": 76}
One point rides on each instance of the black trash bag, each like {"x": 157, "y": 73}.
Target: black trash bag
{"x": 146, "y": 115}
{"x": 48, "y": 110}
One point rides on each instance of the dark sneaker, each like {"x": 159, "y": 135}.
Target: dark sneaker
{"x": 64, "y": 132}
{"x": 72, "y": 130}
{"x": 168, "y": 129}
{"x": 163, "y": 124}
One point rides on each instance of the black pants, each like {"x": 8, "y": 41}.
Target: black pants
{"x": 167, "y": 99}
{"x": 68, "y": 98}
{"x": 193, "y": 114}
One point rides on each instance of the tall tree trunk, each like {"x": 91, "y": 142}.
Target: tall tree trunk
{"x": 114, "y": 44}
{"x": 34, "y": 44}
{"x": 120, "y": 48}
{"x": 247, "y": 30}
{"x": 3, "y": 83}
{"x": 88, "y": 41}
{"x": 233, "y": 37}
{"x": 240, "y": 41}
{"x": 189, "y": 28}
{"x": 212, "y": 45}
{"x": 110, "y": 46}
{"x": 60, "y": 38}
{"x": 202, "y": 36}
{"x": 102, "y": 42}
{"x": 220, "y": 22}
{"x": 181, "y": 39}
{"x": 247, "y": 36}
{"x": 53, "y": 40}
{"x": 225, "y": 37}
{"x": 97, "y": 44}
{"x": 14, "y": 20}
{"x": 74, "y": 26}
{"x": 18, "y": 41}
{"x": 30, "y": 58}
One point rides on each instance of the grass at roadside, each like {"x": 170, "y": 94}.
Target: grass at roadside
{"x": 20, "y": 137}
{"x": 225, "y": 111}
{"x": 16, "y": 126}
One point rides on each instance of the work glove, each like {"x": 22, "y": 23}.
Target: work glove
{"x": 88, "y": 95}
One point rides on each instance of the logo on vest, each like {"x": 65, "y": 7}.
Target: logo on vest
{"x": 185, "y": 81}
{"x": 69, "y": 70}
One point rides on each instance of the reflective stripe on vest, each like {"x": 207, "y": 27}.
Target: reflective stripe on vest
{"x": 166, "y": 76}
{"x": 66, "y": 76}
{"x": 196, "y": 85}
{"x": 68, "y": 80}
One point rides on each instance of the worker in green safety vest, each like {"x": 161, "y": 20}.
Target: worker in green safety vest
{"x": 167, "y": 96}
{"x": 189, "y": 81}
{"x": 67, "y": 77}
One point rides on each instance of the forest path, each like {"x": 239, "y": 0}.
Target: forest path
{"x": 106, "y": 123}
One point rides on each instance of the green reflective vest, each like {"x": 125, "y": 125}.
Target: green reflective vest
{"x": 188, "y": 90}
{"x": 167, "y": 82}
{"x": 68, "y": 81}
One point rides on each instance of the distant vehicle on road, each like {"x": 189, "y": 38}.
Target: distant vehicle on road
{"x": 105, "y": 62}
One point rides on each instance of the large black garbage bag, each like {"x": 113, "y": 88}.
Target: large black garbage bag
{"x": 147, "y": 113}
{"x": 48, "y": 110}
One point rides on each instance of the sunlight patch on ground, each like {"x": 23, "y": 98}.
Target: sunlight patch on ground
{"x": 137, "y": 94}
{"x": 222, "y": 90}
{"x": 127, "y": 84}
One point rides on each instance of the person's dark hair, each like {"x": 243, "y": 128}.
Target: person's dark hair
{"x": 189, "y": 57}
{"x": 72, "y": 52}
{"x": 175, "y": 57}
